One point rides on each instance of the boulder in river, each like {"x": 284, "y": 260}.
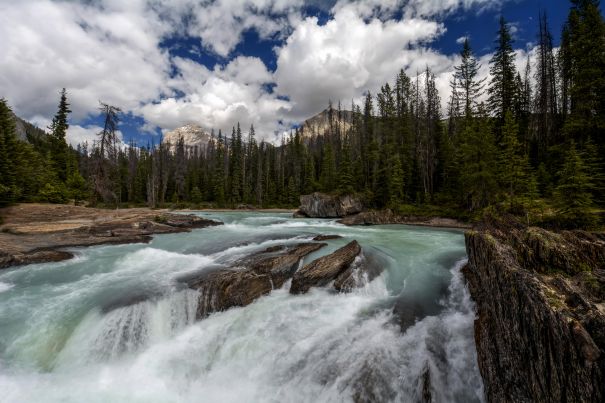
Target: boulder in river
{"x": 365, "y": 268}
{"x": 322, "y": 271}
{"x": 326, "y": 237}
{"x": 249, "y": 278}
{"x": 321, "y": 205}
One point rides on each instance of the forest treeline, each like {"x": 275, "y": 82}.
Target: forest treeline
{"x": 516, "y": 141}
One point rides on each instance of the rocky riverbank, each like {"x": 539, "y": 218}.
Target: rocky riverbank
{"x": 540, "y": 327}
{"x": 379, "y": 217}
{"x": 351, "y": 211}
{"x": 37, "y": 233}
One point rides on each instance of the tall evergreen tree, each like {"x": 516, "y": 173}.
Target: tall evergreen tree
{"x": 583, "y": 61}
{"x": 58, "y": 132}
{"x": 573, "y": 193}
{"x": 476, "y": 156}
{"x": 466, "y": 87}
{"x": 546, "y": 100}
{"x": 515, "y": 175}
{"x": 8, "y": 155}
{"x": 502, "y": 87}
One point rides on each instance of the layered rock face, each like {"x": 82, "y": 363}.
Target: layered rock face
{"x": 33, "y": 233}
{"x": 320, "y": 205}
{"x": 249, "y": 278}
{"x": 325, "y": 269}
{"x": 193, "y": 137}
{"x": 540, "y": 330}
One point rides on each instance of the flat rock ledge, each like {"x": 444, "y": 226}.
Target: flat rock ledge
{"x": 381, "y": 217}
{"x": 249, "y": 278}
{"x": 35, "y": 233}
{"x": 322, "y": 271}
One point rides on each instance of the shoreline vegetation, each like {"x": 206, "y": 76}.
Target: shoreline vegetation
{"x": 522, "y": 142}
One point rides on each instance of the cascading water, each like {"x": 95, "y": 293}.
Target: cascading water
{"x": 115, "y": 324}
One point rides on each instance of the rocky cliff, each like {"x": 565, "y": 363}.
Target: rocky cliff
{"x": 327, "y": 121}
{"x": 540, "y": 327}
{"x": 193, "y": 137}
{"x": 321, "y": 205}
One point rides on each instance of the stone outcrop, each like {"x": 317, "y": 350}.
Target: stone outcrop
{"x": 540, "y": 327}
{"x": 34, "y": 233}
{"x": 326, "y": 237}
{"x": 366, "y": 267}
{"x": 249, "y": 278}
{"x": 321, "y": 205}
{"x": 322, "y": 271}
{"x": 193, "y": 137}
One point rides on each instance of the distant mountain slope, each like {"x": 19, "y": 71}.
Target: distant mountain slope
{"x": 319, "y": 124}
{"x": 23, "y": 128}
{"x": 193, "y": 136}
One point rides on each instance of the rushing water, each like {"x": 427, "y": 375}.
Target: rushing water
{"x": 115, "y": 324}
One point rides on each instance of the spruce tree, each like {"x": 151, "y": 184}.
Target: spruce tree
{"x": 9, "y": 156}
{"x": 583, "y": 62}
{"x": 58, "y": 132}
{"x": 328, "y": 170}
{"x": 395, "y": 181}
{"x": 515, "y": 175}
{"x": 502, "y": 85}
{"x": 345, "y": 171}
{"x": 476, "y": 157}
{"x": 573, "y": 194}
{"x": 465, "y": 85}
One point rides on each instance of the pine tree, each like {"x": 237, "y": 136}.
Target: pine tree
{"x": 573, "y": 192}
{"x": 583, "y": 62}
{"x": 219, "y": 174}
{"x": 58, "y": 132}
{"x": 328, "y": 170}
{"x": 345, "y": 171}
{"x": 546, "y": 108}
{"x": 8, "y": 155}
{"x": 515, "y": 175}
{"x": 502, "y": 85}
{"x": 395, "y": 181}
{"x": 465, "y": 86}
{"x": 476, "y": 157}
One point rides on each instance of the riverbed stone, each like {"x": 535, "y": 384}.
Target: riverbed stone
{"x": 322, "y": 271}
{"x": 249, "y": 278}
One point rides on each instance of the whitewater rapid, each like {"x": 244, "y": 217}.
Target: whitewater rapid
{"x": 116, "y": 325}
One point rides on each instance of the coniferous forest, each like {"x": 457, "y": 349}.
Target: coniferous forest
{"x": 528, "y": 142}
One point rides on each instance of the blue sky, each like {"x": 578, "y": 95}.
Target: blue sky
{"x": 271, "y": 63}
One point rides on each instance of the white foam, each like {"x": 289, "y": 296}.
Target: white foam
{"x": 5, "y": 286}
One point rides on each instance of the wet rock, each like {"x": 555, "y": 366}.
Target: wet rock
{"x": 381, "y": 217}
{"x": 365, "y": 268}
{"x": 427, "y": 396}
{"x": 322, "y": 271}
{"x": 540, "y": 332}
{"x": 321, "y": 205}
{"x": 373, "y": 218}
{"x": 34, "y": 233}
{"x": 122, "y": 301}
{"x": 38, "y": 256}
{"x": 249, "y": 278}
{"x": 326, "y": 237}
{"x": 298, "y": 214}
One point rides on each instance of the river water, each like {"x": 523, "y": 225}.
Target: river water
{"x": 115, "y": 324}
